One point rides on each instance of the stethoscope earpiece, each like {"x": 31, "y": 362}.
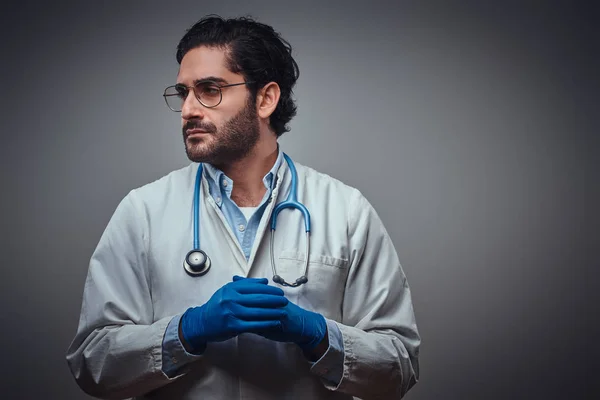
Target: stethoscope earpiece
{"x": 300, "y": 281}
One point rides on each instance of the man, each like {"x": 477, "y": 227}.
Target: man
{"x": 150, "y": 328}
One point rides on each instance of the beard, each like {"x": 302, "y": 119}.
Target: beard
{"x": 230, "y": 143}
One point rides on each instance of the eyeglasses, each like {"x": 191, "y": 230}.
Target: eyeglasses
{"x": 208, "y": 93}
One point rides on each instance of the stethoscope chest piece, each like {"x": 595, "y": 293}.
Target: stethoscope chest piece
{"x": 196, "y": 263}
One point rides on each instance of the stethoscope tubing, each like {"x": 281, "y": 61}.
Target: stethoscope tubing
{"x": 196, "y": 211}
{"x": 290, "y": 202}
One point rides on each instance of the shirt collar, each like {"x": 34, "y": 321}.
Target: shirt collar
{"x": 218, "y": 181}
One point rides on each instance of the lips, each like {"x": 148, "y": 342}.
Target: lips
{"x": 193, "y": 132}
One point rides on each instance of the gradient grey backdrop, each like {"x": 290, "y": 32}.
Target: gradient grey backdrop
{"x": 470, "y": 128}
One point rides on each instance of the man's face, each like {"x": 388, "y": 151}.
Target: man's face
{"x": 231, "y": 129}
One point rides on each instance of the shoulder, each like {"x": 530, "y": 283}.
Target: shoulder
{"x": 335, "y": 198}
{"x": 326, "y": 185}
{"x": 173, "y": 184}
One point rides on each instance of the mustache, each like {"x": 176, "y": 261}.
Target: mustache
{"x": 196, "y": 124}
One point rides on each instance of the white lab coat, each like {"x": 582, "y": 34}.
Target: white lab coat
{"x": 136, "y": 283}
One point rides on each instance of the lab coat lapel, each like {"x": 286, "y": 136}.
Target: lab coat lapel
{"x": 281, "y": 187}
{"x": 217, "y": 214}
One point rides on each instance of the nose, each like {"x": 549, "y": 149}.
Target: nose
{"x": 191, "y": 107}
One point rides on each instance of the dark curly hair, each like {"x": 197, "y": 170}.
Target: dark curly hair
{"x": 253, "y": 50}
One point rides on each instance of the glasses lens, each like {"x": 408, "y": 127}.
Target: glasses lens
{"x": 174, "y": 97}
{"x": 208, "y": 93}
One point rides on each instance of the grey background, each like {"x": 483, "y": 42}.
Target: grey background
{"x": 471, "y": 127}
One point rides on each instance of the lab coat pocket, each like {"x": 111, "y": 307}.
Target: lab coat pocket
{"x": 324, "y": 291}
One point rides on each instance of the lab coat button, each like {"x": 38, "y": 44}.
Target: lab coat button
{"x": 241, "y": 228}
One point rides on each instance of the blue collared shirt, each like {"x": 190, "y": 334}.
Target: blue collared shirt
{"x": 220, "y": 188}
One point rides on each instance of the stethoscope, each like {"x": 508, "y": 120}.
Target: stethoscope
{"x": 197, "y": 262}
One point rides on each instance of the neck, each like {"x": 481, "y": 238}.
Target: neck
{"x": 248, "y": 173}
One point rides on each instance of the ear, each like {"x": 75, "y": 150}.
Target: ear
{"x": 267, "y": 99}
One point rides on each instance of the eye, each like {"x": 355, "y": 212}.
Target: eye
{"x": 181, "y": 91}
{"x": 208, "y": 89}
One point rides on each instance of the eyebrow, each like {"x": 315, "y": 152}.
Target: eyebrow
{"x": 209, "y": 79}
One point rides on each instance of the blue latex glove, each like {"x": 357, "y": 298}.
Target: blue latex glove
{"x": 305, "y": 328}
{"x": 244, "y": 305}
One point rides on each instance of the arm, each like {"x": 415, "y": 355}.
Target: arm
{"x": 117, "y": 350}
{"x": 379, "y": 333}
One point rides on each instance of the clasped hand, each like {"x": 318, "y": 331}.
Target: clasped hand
{"x": 250, "y": 305}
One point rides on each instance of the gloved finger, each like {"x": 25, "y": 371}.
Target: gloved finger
{"x": 257, "y": 326}
{"x": 258, "y": 314}
{"x": 248, "y": 287}
{"x": 262, "y": 300}
{"x": 237, "y": 278}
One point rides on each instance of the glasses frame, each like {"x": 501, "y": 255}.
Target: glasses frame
{"x": 165, "y": 95}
